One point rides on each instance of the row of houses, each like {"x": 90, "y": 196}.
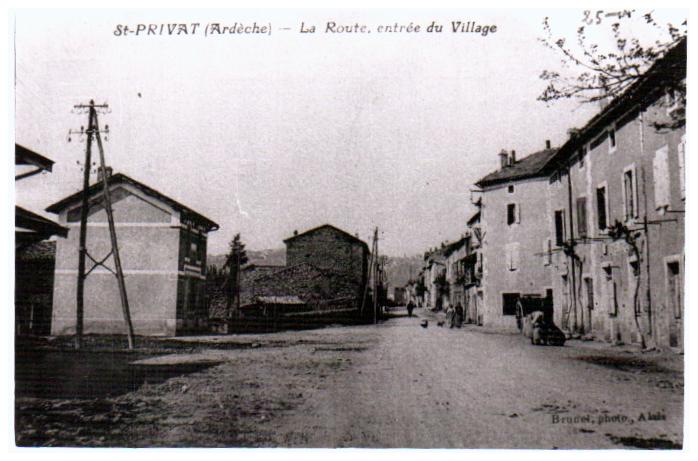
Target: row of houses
{"x": 594, "y": 226}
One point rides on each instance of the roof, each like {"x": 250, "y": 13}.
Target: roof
{"x": 38, "y": 226}
{"x": 40, "y": 251}
{"x": 279, "y": 300}
{"x": 668, "y": 70}
{"x": 475, "y": 218}
{"x": 24, "y": 156}
{"x": 450, "y": 248}
{"x": 120, "y": 178}
{"x": 528, "y": 167}
{"x": 345, "y": 234}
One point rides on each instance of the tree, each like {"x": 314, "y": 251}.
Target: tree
{"x": 600, "y": 72}
{"x": 619, "y": 231}
{"x": 237, "y": 257}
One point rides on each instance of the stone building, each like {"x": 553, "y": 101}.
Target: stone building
{"x": 435, "y": 283}
{"x": 455, "y": 254}
{"x": 472, "y": 271}
{"x": 162, "y": 244}
{"x": 513, "y": 225}
{"x": 333, "y": 251}
{"x": 624, "y": 170}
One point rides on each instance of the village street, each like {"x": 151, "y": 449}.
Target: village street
{"x": 391, "y": 385}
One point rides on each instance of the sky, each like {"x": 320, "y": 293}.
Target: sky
{"x": 267, "y": 134}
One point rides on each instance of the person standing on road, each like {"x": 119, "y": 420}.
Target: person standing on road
{"x": 451, "y": 316}
{"x": 410, "y": 308}
{"x": 458, "y": 314}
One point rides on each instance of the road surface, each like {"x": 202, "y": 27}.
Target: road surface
{"x": 391, "y": 385}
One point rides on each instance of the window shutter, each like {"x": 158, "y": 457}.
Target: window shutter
{"x": 518, "y": 213}
{"x": 515, "y": 256}
{"x": 682, "y": 165}
{"x": 582, "y": 216}
{"x": 660, "y": 169}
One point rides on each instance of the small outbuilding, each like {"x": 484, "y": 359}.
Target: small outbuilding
{"x": 162, "y": 244}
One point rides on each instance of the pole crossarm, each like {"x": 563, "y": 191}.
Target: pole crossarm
{"x": 99, "y": 263}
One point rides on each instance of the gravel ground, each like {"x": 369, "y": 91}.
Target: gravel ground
{"x": 391, "y": 385}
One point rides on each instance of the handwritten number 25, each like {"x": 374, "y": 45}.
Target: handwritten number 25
{"x": 592, "y": 17}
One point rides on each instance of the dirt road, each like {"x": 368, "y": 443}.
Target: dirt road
{"x": 391, "y": 385}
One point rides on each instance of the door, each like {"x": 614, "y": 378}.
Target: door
{"x": 589, "y": 288}
{"x": 674, "y": 293}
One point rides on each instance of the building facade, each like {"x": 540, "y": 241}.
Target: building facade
{"x": 455, "y": 254}
{"x": 331, "y": 250}
{"x": 513, "y": 224}
{"x": 162, "y": 245}
{"x": 616, "y": 216}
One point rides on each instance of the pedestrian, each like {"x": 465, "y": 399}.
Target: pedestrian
{"x": 410, "y": 308}
{"x": 459, "y": 315}
{"x": 451, "y": 316}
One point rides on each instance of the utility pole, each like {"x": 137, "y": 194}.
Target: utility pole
{"x": 94, "y": 131}
{"x": 375, "y": 276}
{"x": 237, "y": 286}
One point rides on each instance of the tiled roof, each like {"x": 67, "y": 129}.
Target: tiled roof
{"x": 528, "y": 167}
{"x": 339, "y": 231}
{"x": 120, "y": 178}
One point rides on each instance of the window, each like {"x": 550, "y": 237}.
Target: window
{"x": 612, "y": 139}
{"x": 629, "y": 197}
{"x": 671, "y": 101}
{"x": 512, "y": 256}
{"x": 559, "y": 227}
{"x": 673, "y": 272}
{"x": 660, "y": 169}
{"x": 513, "y": 215}
{"x": 510, "y": 189}
{"x": 509, "y": 301}
{"x": 682, "y": 166}
{"x": 582, "y": 156}
{"x": 194, "y": 252}
{"x": 582, "y": 216}
{"x": 601, "y": 208}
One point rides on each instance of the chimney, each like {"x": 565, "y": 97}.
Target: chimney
{"x": 512, "y": 157}
{"x": 547, "y": 143}
{"x": 503, "y": 158}
{"x": 573, "y": 133}
{"x": 108, "y": 170}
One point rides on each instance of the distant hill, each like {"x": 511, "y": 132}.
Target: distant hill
{"x": 274, "y": 257}
{"x": 399, "y": 269}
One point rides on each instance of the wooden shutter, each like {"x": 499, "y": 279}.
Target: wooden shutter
{"x": 660, "y": 171}
{"x": 682, "y": 165}
{"x": 582, "y": 216}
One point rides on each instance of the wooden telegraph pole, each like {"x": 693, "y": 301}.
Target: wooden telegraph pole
{"x": 93, "y": 131}
{"x": 375, "y": 276}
